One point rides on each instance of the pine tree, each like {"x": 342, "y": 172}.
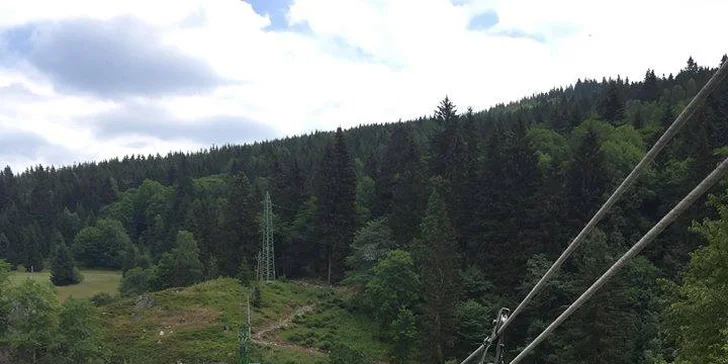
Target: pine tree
{"x": 437, "y": 257}
{"x": 587, "y": 180}
{"x": 611, "y": 107}
{"x": 240, "y": 230}
{"x": 609, "y": 328}
{"x": 43, "y": 205}
{"x": 510, "y": 181}
{"x": 668, "y": 116}
{"x": 692, "y": 67}
{"x": 63, "y": 269}
{"x": 650, "y": 88}
{"x": 400, "y": 186}
{"x": 207, "y": 223}
{"x": 467, "y": 187}
{"x": 448, "y": 147}
{"x": 179, "y": 215}
{"x": 336, "y": 215}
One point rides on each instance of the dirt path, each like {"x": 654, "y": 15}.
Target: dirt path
{"x": 259, "y": 336}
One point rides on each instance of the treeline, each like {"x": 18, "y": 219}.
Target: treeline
{"x": 439, "y": 221}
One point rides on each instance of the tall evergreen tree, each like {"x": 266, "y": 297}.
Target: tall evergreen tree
{"x": 448, "y": 147}
{"x": 179, "y": 216}
{"x": 510, "y": 181}
{"x": 650, "y": 88}
{"x": 63, "y": 269}
{"x": 587, "y": 180}
{"x": 43, "y": 206}
{"x": 336, "y": 214}
{"x": 240, "y": 230}
{"x": 400, "y": 186}
{"x": 207, "y": 223}
{"x": 692, "y": 68}
{"x": 611, "y": 107}
{"x": 438, "y": 261}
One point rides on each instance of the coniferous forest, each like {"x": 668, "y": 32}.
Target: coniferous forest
{"x": 435, "y": 223}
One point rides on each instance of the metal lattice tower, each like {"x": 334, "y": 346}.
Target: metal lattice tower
{"x": 266, "y": 260}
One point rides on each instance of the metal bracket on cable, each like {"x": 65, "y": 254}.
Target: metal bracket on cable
{"x": 498, "y": 322}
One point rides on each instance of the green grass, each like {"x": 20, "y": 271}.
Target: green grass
{"x": 285, "y": 356}
{"x": 201, "y": 324}
{"x": 333, "y": 323}
{"x": 94, "y": 281}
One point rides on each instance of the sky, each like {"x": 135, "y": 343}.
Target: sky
{"x": 87, "y": 80}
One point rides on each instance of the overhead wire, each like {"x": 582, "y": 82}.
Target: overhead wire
{"x": 668, "y": 219}
{"x": 671, "y": 131}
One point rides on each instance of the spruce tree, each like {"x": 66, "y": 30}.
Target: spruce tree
{"x": 650, "y": 88}
{"x": 692, "y": 67}
{"x": 400, "y": 189}
{"x": 179, "y": 215}
{"x": 587, "y": 180}
{"x": 511, "y": 181}
{"x": 240, "y": 230}
{"x": 437, "y": 257}
{"x": 611, "y": 107}
{"x": 207, "y": 223}
{"x": 63, "y": 268}
{"x": 448, "y": 147}
{"x": 336, "y": 214}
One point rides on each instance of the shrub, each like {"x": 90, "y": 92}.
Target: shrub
{"x": 136, "y": 281}
{"x": 256, "y": 296}
{"x": 342, "y": 354}
{"x": 102, "y": 299}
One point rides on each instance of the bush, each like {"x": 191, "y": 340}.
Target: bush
{"x": 79, "y": 336}
{"x": 181, "y": 266}
{"x": 342, "y": 354}
{"x": 326, "y": 345}
{"x": 256, "y": 297}
{"x": 136, "y": 281}
{"x": 245, "y": 274}
{"x": 295, "y": 338}
{"x": 102, "y": 299}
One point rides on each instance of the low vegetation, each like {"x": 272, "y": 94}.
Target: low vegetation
{"x": 200, "y": 323}
{"x": 94, "y": 282}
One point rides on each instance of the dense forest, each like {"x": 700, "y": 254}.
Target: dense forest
{"x": 436, "y": 222}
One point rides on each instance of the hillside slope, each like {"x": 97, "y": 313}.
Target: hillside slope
{"x": 199, "y": 324}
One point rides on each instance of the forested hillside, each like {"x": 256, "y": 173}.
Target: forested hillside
{"x": 435, "y": 222}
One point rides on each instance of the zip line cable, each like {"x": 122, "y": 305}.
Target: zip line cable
{"x": 684, "y": 116}
{"x": 668, "y": 219}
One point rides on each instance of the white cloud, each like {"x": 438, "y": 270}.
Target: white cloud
{"x": 359, "y": 61}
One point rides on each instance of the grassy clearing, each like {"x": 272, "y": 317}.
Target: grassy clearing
{"x": 200, "y": 324}
{"x": 333, "y": 323}
{"x": 94, "y": 281}
{"x": 285, "y": 356}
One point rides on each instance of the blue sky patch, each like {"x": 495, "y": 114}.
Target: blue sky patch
{"x": 18, "y": 39}
{"x": 483, "y": 21}
{"x": 276, "y": 11}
